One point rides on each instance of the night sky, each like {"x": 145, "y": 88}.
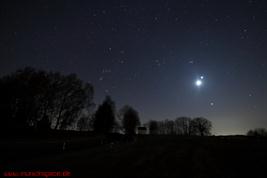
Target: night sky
{"x": 149, "y": 54}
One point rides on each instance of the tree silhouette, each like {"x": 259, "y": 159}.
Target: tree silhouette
{"x": 104, "y": 118}
{"x": 182, "y": 125}
{"x": 21, "y": 96}
{"x": 153, "y": 127}
{"x": 166, "y": 127}
{"x": 28, "y": 96}
{"x": 130, "y": 119}
{"x": 83, "y": 123}
{"x": 169, "y": 126}
{"x": 200, "y": 126}
{"x": 44, "y": 124}
{"x": 74, "y": 96}
{"x": 258, "y": 132}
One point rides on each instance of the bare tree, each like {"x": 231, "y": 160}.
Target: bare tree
{"x": 257, "y": 132}
{"x": 72, "y": 99}
{"x": 153, "y": 127}
{"x": 31, "y": 98}
{"x": 182, "y": 125}
{"x": 83, "y": 123}
{"x": 161, "y": 128}
{"x": 200, "y": 126}
{"x": 169, "y": 126}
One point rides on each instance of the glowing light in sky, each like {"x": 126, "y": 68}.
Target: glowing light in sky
{"x": 198, "y": 83}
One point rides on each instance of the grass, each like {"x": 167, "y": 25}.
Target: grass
{"x": 147, "y": 156}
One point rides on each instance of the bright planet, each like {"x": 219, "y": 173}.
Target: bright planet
{"x": 198, "y": 83}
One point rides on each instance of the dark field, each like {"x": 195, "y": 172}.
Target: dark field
{"x": 146, "y": 156}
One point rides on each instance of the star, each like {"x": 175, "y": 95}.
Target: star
{"x": 191, "y": 62}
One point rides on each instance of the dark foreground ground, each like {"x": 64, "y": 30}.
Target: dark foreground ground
{"x": 147, "y": 156}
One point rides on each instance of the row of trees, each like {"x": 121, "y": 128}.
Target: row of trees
{"x": 181, "y": 126}
{"x": 49, "y": 100}
{"x": 38, "y": 99}
{"x": 258, "y": 132}
{"x": 104, "y": 120}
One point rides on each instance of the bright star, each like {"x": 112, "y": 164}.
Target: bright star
{"x": 198, "y": 83}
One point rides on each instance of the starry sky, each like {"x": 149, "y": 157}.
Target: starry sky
{"x": 149, "y": 54}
